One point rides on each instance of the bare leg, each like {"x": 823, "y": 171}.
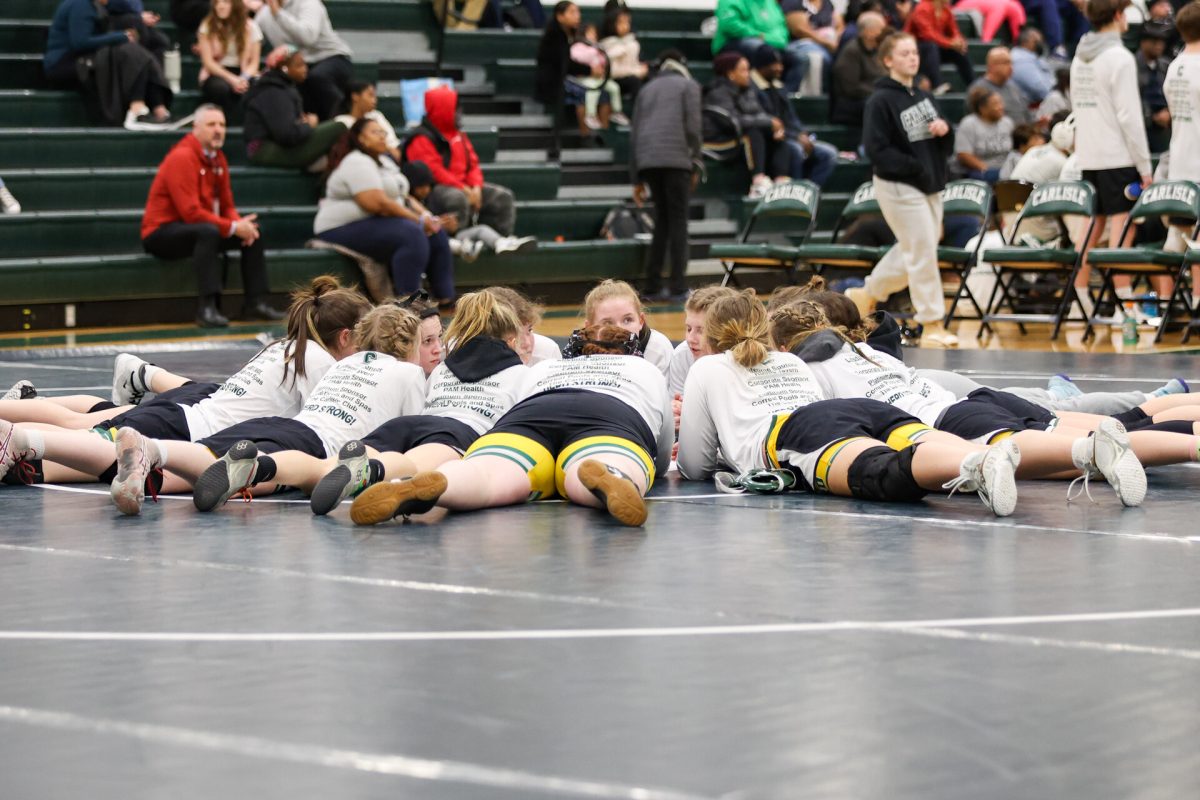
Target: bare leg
{"x": 57, "y": 473}
{"x": 84, "y": 451}
{"x": 428, "y": 457}
{"x": 188, "y": 460}
{"x": 580, "y": 115}
{"x": 79, "y": 403}
{"x": 1044, "y": 455}
{"x": 397, "y": 465}
{"x": 483, "y": 482}
{"x": 164, "y": 381}
{"x": 1156, "y": 448}
{"x": 604, "y": 113}
{"x": 49, "y": 412}
{"x": 296, "y": 469}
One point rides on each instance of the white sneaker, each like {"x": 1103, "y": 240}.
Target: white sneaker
{"x": 136, "y": 460}
{"x": 760, "y": 186}
{"x": 21, "y": 390}
{"x": 14, "y": 447}
{"x": 1106, "y": 453}
{"x": 515, "y": 244}
{"x": 935, "y": 335}
{"x": 8, "y": 202}
{"x": 469, "y": 252}
{"x": 129, "y": 380}
{"x": 234, "y": 472}
{"x": 992, "y": 474}
{"x": 619, "y": 119}
{"x": 593, "y": 122}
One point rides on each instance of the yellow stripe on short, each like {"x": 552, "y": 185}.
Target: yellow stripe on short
{"x": 770, "y": 445}
{"x": 1000, "y": 436}
{"x": 593, "y": 446}
{"x": 529, "y": 455}
{"x": 907, "y": 435}
{"x": 825, "y": 462}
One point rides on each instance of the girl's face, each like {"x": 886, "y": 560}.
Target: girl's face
{"x": 622, "y": 26}
{"x": 429, "y": 352}
{"x": 904, "y": 62}
{"x": 619, "y": 311}
{"x": 589, "y": 32}
{"x": 693, "y": 334}
{"x": 524, "y": 343}
{"x": 366, "y": 100}
{"x": 569, "y": 18}
{"x": 373, "y": 139}
{"x": 222, "y": 8}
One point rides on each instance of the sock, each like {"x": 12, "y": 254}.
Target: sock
{"x": 154, "y": 445}
{"x": 1062, "y": 387}
{"x": 375, "y": 474}
{"x": 1081, "y": 453}
{"x": 1125, "y": 292}
{"x": 37, "y": 444}
{"x": 1173, "y": 386}
{"x": 266, "y": 469}
{"x": 145, "y": 376}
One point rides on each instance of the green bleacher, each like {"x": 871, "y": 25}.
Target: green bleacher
{"x": 83, "y": 187}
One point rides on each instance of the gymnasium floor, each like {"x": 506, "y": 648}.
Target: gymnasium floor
{"x": 738, "y": 647}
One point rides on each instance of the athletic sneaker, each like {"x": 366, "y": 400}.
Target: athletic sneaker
{"x": 14, "y": 448}
{"x": 21, "y": 390}
{"x": 1062, "y": 387}
{"x": 391, "y": 499}
{"x": 129, "y": 380}
{"x": 233, "y": 473}
{"x": 593, "y": 122}
{"x": 759, "y": 187}
{"x": 617, "y": 118}
{"x": 349, "y": 477}
{"x": 468, "y": 251}
{"x": 992, "y": 474}
{"x": 7, "y": 202}
{"x": 515, "y": 244}
{"x": 1107, "y": 453}
{"x": 1173, "y": 386}
{"x": 615, "y": 490}
{"x": 137, "y": 463}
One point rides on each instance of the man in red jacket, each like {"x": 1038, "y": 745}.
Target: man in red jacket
{"x": 460, "y": 189}
{"x": 190, "y": 212}
{"x": 938, "y": 38}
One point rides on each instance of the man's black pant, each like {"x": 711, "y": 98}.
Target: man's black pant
{"x": 670, "y": 189}
{"x": 204, "y": 243}
{"x": 326, "y": 86}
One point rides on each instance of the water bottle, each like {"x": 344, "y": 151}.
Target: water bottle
{"x": 173, "y": 68}
{"x": 1133, "y": 191}
{"x": 1129, "y": 328}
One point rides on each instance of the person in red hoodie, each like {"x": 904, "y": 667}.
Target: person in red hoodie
{"x": 938, "y": 38}
{"x": 460, "y": 189}
{"x": 190, "y": 212}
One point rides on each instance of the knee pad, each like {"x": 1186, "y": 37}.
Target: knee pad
{"x": 1133, "y": 419}
{"x": 882, "y": 473}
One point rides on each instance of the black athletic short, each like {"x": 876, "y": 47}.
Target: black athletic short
{"x": 271, "y": 434}
{"x": 1110, "y": 189}
{"x": 162, "y": 417}
{"x": 988, "y": 411}
{"x": 402, "y": 434}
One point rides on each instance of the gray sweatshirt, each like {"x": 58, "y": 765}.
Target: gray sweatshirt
{"x": 1109, "y": 129}
{"x": 666, "y": 122}
{"x": 305, "y": 25}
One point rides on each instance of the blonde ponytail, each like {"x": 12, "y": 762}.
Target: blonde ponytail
{"x": 388, "y": 329}
{"x": 738, "y": 324}
{"x": 482, "y": 313}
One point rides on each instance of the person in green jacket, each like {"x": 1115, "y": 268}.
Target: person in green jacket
{"x": 743, "y": 26}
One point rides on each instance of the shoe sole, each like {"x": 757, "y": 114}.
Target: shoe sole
{"x": 1002, "y": 494}
{"x": 333, "y": 488}
{"x": 215, "y": 485}
{"x": 129, "y": 487}
{"x": 390, "y": 499}
{"x": 1127, "y": 476}
{"x": 620, "y": 496}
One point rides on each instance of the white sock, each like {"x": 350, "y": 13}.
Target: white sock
{"x": 148, "y": 377}
{"x": 1081, "y": 453}
{"x": 154, "y": 445}
{"x": 1125, "y": 292}
{"x": 36, "y": 442}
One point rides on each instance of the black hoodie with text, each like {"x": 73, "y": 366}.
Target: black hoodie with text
{"x": 897, "y": 139}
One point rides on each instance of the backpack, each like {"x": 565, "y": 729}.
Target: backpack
{"x": 627, "y": 222}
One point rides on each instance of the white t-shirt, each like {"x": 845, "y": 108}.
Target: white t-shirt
{"x": 630, "y": 379}
{"x": 393, "y": 141}
{"x": 226, "y": 52}
{"x": 259, "y": 389}
{"x": 727, "y": 410}
{"x": 360, "y": 393}
{"x": 1182, "y": 88}
{"x": 887, "y": 380}
{"x": 357, "y": 173}
{"x": 681, "y": 362}
{"x": 477, "y": 404}
{"x": 544, "y": 349}
{"x": 658, "y": 351}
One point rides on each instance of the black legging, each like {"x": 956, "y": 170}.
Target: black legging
{"x": 931, "y": 63}
{"x": 767, "y": 156}
{"x": 204, "y": 243}
{"x": 670, "y": 190}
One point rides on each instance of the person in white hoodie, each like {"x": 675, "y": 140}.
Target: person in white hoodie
{"x": 1110, "y": 133}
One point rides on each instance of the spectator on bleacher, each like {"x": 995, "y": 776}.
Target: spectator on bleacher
{"x": 1024, "y": 138}
{"x": 1110, "y": 135}
{"x": 814, "y": 27}
{"x": 998, "y": 78}
{"x": 362, "y": 102}
{"x": 230, "y": 46}
{"x": 664, "y": 154}
{"x": 1183, "y": 95}
{"x": 552, "y": 83}
{"x": 1029, "y": 70}
{"x": 125, "y": 78}
{"x": 367, "y": 208}
{"x": 857, "y": 69}
{"x": 734, "y": 120}
{"x": 624, "y": 52}
{"x": 908, "y": 143}
{"x": 938, "y": 38}
{"x": 810, "y": 158}
{"x": 124, "y": 14}
{"x": 449, "y": 154}
{"x": 1151, "y": 72}
{"x": 305, "y": 26}
{"x": 278, "y": 132}
{"x": 190, "y": 212}
{"x": 1059, "y": 98}
{"x": 586, "y": 50}
{"x": 995, "y": 14}
{"x": 188, "y": 14}
{"x": 1062, "y": 21}
{"x": 984, "y": 137}
{"x": 743, "y": 26}
{"x": 8, "y": 203}
{"x": 1045, "y": 162}
{"x": 1161, "y": 18}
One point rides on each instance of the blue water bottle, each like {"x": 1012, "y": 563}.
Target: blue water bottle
{"x": 1133, "y": 191}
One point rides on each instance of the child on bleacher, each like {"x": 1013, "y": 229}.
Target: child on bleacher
{"x": 624, "y": 51}
{"x": 585, "y": 50}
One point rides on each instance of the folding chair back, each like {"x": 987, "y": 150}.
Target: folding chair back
{"x": 819, "y": 256}
{"x": 783, "y": 218}
{"x": 965, "y": 198}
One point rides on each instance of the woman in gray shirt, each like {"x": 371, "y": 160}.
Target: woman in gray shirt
{"x": 367, "y": 208}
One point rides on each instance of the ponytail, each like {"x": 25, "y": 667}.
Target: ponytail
{"x": 317, "y": 314}
{"x": 738, "y": 325}
{"x": 482, "y": 313}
